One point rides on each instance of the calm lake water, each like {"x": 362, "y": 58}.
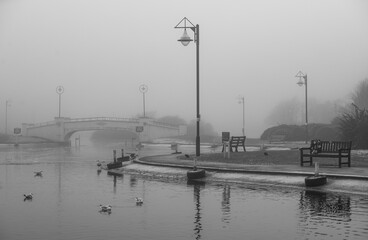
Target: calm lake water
{"x": 67, "y": 197}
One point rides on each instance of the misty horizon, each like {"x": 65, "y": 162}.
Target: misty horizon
{"x": 102, "y": 51}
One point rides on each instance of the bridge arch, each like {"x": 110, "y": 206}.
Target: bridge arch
{"x": 69, "y": 134}
{"x": 61, "y": 129}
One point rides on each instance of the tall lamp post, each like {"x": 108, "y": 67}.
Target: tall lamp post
{"x": 241, "y": 100}
{"x": 143, "y": 89}
{"x": 59, "y": 90}
{"x": 304, "y": 77}
{"x": 7, "y": 104}
{"x": 185, "y": 40}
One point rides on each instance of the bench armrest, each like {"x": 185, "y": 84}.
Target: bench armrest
{"x": 304, "y": 148}
{"x": 344, "y": 150}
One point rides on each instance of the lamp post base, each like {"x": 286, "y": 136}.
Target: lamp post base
{"x": 315, "y": 181}
{"x": 196, "y": 174}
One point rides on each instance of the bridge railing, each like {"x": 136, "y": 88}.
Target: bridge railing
{"x": 39, "y": 124}
{"x": 134, "y": 120}
{"x": 131, "y": 120}
{"x": 104, "y": 119}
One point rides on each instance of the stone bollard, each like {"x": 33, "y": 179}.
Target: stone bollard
{"x": 316, "y": 169}
{"x": 226, "y": 146}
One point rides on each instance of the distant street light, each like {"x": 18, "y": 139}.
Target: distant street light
{"x": 143, "y": 88}
{"x": 241, "y": 101}
{"x": 302, "y": 77}
{"x": 185, "y": 40}
{"x": 59, "y": 90}
{"x": 7, "y": 104}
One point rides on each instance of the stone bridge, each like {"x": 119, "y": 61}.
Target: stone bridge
{"x": 61, "y": 129}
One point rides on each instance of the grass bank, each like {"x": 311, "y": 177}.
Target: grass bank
{"x": 277, "y": 157}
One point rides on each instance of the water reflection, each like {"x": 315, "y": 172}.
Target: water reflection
{"x": 197, "y": 215}
{"x": 324, "y": 213}
{"x": 115, "y": 179}
{"x": 314, "y": 203}
{"x": 133, "y": 181}
{"x": 225, "y": 204}
{"x": 67, "y": 197}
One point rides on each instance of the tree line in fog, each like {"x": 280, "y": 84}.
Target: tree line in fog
{"x": 329, "y": 121}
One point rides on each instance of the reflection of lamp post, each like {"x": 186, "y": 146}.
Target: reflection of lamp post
{"x": 143, "y": 88}
{"x": 301, "y": 76}
{"x": 185, "y": 40}
{"x": 241, "y": 100}
{"x": 197, "y": 217}
{"x": 59, "y": 90}
{"x": 7, "y": 104}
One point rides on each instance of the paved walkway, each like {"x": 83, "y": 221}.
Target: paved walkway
{"x": 360, "y": 173}
{"x": 353, "y": 180}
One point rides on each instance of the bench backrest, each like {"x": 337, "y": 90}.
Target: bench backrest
{"x": 238, "y": 140}
{"x": 335, "y": 146}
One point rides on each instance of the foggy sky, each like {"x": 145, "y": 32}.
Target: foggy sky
{"x": 101, "y": 51}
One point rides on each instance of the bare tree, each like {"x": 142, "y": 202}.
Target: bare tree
{"x": 360, "y": 95}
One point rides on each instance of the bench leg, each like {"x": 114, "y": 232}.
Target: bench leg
{"x": 301, "y": 158}
{"x": 310, "y": 161}
{"x": 339, "y": 161}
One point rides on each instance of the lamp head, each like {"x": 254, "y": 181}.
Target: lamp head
{"x": 300, "y": 83}
{"x": 185, "y": 39}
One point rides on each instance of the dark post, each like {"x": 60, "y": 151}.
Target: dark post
{"x": 243, "y": 129}
{"x": 198, "y": 141}
{"x": 144, "y": 105}
{"x": 6, "y": 116}
{"x": 59, "y": 104}
{"x": 306, "y": 108}
{"x": 59, "y": 90}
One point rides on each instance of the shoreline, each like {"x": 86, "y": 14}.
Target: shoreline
{"x": 160, "y": 171}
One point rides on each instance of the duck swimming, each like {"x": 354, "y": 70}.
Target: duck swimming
{"x": 28, "y": 196}
{"x": 38, "y": 174}
{"x": 138, "y": 201}
{"x": 105, "y": 208}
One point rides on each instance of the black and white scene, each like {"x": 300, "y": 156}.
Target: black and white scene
{"x": 185, "y": 120}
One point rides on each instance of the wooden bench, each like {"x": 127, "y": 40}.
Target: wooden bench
{"x": 326, "y": 149}
{"x": 236, "y": 142}
{"x": 277, "y": 138}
